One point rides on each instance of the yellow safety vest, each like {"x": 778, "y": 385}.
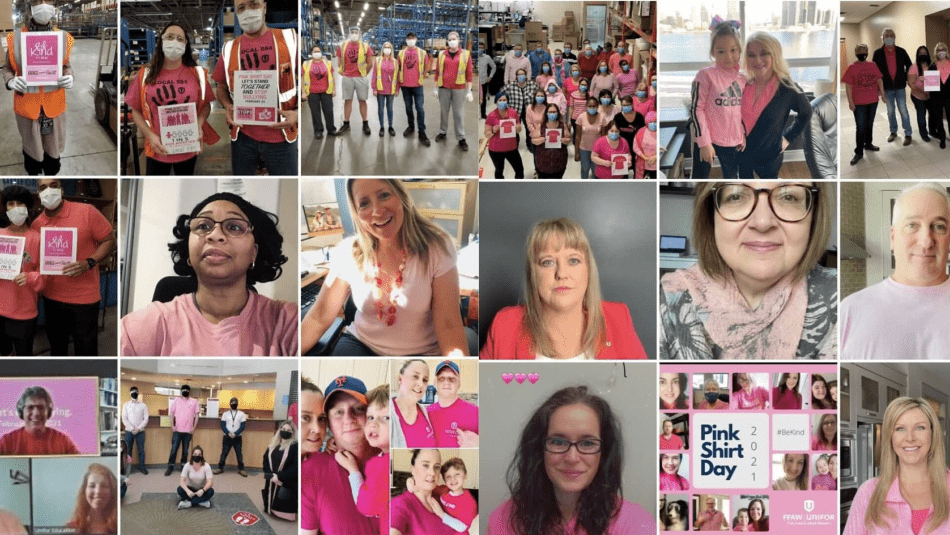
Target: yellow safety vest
{"x": 379, "y": 75}
{"x": 463, "y": 65}
{"x": 306, "y": 76}
{"x": 423, "y": 61}
{"x": 360, "y": 60}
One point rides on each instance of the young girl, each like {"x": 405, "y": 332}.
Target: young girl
{"x": 372, "y": 493}
{"x": 716, "y": 110}
{"x": 644, "y": 146}
{"x": 824, "y": 480}
{"x": 455, "y": 500}
{"x": 743, "y": 522}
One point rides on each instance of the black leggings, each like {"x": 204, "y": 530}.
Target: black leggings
{"x": 513, "y": 157}
{"x": 185, "y": 168}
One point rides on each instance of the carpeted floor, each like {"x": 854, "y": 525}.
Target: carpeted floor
{"x": 158, "y": 514}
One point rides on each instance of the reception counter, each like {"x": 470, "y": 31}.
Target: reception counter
{"x": 207, "y": 434}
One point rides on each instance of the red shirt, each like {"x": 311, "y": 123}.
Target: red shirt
{"x": 256, "y": 54}
{"x": 890, "y": 55}
{"x": 863, "y": 77}
{"x": 450, "y": 69}
{"x": 373, "y": 498}
{"x": 462, "y": 507}
{"x": 53, "y": 442}
{"x": 92, "y": 228}
{"x": 496, "y": 143}
{"x": 319, "y": 82}
{"x": 19, "y": 302}
{"x": 349, "y": 56}
{"x": 412, "y": 67}
{"x": 674, "y": 442}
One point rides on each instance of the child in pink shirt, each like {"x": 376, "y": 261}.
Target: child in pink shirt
{"x": 743, "y": 521}
{"x": 716, "y": 110}
{"x": 371, "y": 493}
{"x": 824, "y": 480}
{"x": 456, "y": 501}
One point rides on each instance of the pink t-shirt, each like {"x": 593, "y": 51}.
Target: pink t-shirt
{"x": 265, "y": 327}
{"x": 319, "y": 81}
{"x": 644, "y": 145}
{"x": 627, "y": 83}
{"x": 757, "y": 399}
{"x": 496, "y": 143}
{"x": 603, "y": 150}
{"x": 450, "y": 70}
{"x": 419, "y": 434}
{"x": 349, "y": 55}
{"x": 673, "y": 482}
{"x": 255, "y": 54}
{"x": 630, "y": 520}
{"x": 590, "y": 127}
{"x": 714, "y": 521}
{"x": 824, "y": 482}
{"x": 578, "y": 104}
{"x": 92, "y": 228}
{"x": 462, "y": 507}
{"x": 672, "y": 443}
{"x": 460, "y": 415}
{"x": 19, "y": 302}
{"x": 752, "y": 107}
{"x": 818, "y": 445}
{"x": 717, "y": 406}
{"x": 173, "y": 86}
{"x": 414, "y": 332}
{"x": 863, "y": 77}
{"x": 890, "y": 320}
{"x": 373, "y": 498}
{"x": 410, "y": 517}
{"x": 787, "y": 401}
{"x": 412, "y": 67}
{"x": 184, "y": 411}
{"x": 326, "y": 502}
{"x": 388, "y": 68}
{"x": 645, "y": 107}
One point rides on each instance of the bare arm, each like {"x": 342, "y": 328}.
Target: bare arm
{"x": 446, "y": 316}
{"x": 321, "y": 315}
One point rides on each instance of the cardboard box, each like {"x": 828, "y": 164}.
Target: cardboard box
{"x": 557, "y": 32}
{"x": 229, "y": 18}
{"x": 514, "y": 38}
{"x": 532, "y": 30}
{"x": 498, "y": 33}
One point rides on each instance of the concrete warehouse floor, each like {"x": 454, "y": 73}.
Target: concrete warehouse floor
{"x": 90, "y": 149}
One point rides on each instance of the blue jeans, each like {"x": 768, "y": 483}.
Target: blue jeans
{"x": 140, "y": 442}
{"x": 586, "y": 164}
{"x": 351, "y": 346}
{"x": 863, "y": 126}
{"x": 197, "y": 499}
{"x": 279, "y": 158}
{"x": 898, "y": 95}
{"x": 387, "y": 102}
{"x": 414, "y": 95}
{"x": 183, "y": 440}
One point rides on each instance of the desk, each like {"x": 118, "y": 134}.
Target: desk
{"x": 207, "y": 434}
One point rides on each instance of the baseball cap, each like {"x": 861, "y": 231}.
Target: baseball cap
{"x": 447, "y": 364}
{"x": 345, "y": 383}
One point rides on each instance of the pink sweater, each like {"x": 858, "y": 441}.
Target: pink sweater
{"x": 717, "y": 103}
{"x": 631, "y": 520}
{"x": 894, "y": 501}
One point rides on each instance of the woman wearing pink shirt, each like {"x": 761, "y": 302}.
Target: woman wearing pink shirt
{"x": 589, "y": 126}
{"x": 820, "y": 397}
{"x": 551, "y": 163}
{"x": 746, "y": 395}
{"x": 825, "y": 435}
{"x": 556, "y": 96}
{"x": 606, "y": 148}
{"x": 18, "y": 310}
{"x": 546, "y": 75}
{"x": 627, "y": 80}
{"x": 418, "y": 512}
{"x": 920, "y": 98}
{"x": 711, "y": 399}
{"x": 643, "y": 103}
{"x": 786, "y": 396}
{"x": 384, "y": 78}
{"x": 940, "y": 100}
{"x": 644, "y": 146}
{"x": 534, "y": 115}
{"x": 501, "y": 149}
{"x": 603, "y": 79}
{"x": 97, "y": 504}
{"x": 411, "y": 426}
{"x": 670, "y": 480}
{"x": 226, "y": 245}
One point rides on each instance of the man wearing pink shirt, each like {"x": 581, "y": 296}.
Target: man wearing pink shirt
{"x": 184, "y": 412}
{"x": 454, "y": 419}
{"x": 71, "y": 300}
{"x": 711, "y": 519}
{"x": 412, "y": 72}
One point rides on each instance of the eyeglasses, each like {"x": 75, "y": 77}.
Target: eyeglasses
{"x": 234, "y": 227}
{"x": 586, "y": 446}
{"x": 790, "y": 203}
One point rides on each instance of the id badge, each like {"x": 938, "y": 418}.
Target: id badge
{"x": 46, "y": 124}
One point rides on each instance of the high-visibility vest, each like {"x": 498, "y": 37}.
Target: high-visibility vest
{"x": 360, "y": 59}
{"x": 420, "y": 65}
{"x": 464, "y": 58}
{"x": 285, "y": 41}
{"x": 379, "y": 75}
{"x": 305, "y": 76}
{"x": 51, "y": 99}
{"x": 210, "y": 135}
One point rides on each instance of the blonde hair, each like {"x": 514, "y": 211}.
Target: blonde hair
{"x": 276, "y": 441}
{"x": 724, "y": 29}
{"x": 779, "y": 65}
{"x": 878, "y": 512}
{"x": 560, "y": 233}
{"x": 417, "y": 235}
{"x": 940, "y": 44}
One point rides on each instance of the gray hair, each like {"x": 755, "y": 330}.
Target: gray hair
{"x": 929, "y": 186}
{"x": 885, "y": 30}
{"x": 34, "y": 392}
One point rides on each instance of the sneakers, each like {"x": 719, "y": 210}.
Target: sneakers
{"x": 242, "y": 473}
{"x": 333, "y": 133}
{"x": 206, "y": 505}
{"x": 184, "y": 504}
{"x": 891, "y": 137}
{"x": 366, "y": 129}
{"x": 440, "y": 138}
{"x": 463, "y": 145}
{"x": 392, "y": 131}
{"x": 925, "y": 137}
{"x": 409, "y": 131}
{"x": 424, "y": 139}
{"x": 168, "y": 471}
{"x": 343, "y": 129}
{"x": 906, "y": 140}
{"x": 216, "y": 470}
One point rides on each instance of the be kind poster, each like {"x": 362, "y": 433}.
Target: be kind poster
{"x": 42, "y": 54}
{"x": 57, "y": 249}
{"x": 748, "y": 448}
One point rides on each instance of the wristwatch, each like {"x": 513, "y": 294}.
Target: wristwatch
{"x": 92, "y": 262}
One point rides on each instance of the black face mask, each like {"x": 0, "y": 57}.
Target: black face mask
{"x": 285, "y": 434}
{"x": 923, "y": 58}
{"x": 234, "y": 406}
{"x": 185, "y": 393}
{"x": 197, "y": 458}
{"x": 135, "y": 394}
{"x": 862, "y": 57}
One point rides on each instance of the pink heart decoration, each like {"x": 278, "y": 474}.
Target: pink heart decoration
{"x": 533, "y": 377}
{"x": 520, "y": 377}
{"x": 507, "y": 377}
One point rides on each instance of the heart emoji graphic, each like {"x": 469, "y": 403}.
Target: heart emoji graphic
{"x": 507, "y": 377}
{"x": 520, "y": 377}
{"x": 533, "y": 377}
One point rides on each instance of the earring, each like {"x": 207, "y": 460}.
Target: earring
{"x": 188, "y": 261}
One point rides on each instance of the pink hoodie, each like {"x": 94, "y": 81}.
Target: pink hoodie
{"x": 717, "y": 101}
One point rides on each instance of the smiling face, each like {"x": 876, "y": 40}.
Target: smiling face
{"x": 744, "y": 382}
{"x": 794, "y": 464}
{"x": 761, "y": 249}
{"x": 454, "y": 478}
{"x": 755, "y": 511}
{"x": 425, "y": 471}
{"x": 744, "y": 518}
{"x": 562, "y": 274}
{"x": 833, "y": 466}
{"x": 217, "y": 256}
{"x": 572, "y": 471}
{"x": 667, "y": 427}
{"x": 35, "y": 414}
{"x": 834, "y": 393}
{"x": 670, "y": 388}
{"x": 911, "y": 438}
{"x": 920, "y": 238}
{"x": 759, "y": 61}
{"x": 377, "y": 426}
{"x": 98, "y": 491}
{"x": 413, "y": 381}
{"x": 313, "y": 421}
{"x": 670, "y": 463}
{"x": 819, "y": 389}
{"x": 347, "y": 418}
{"x": 378, "y": 208}
{"x": 791, "y": 381}
{"x": 821, "y": 465}
{"x": 448, "y": 384}
{"x": 829, "y": 426}
{"x": 726, "y": 52}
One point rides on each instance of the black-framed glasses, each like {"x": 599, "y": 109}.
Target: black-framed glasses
{"x": 790, "y": 203}
{"x": 233, "y": 227}
{"x": 586, "y": 446}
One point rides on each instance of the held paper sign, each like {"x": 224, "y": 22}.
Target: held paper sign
{"x": 41, "y": 53}
{"x": 552, "y": 138}
{"x": 255, "y": 97}
{"x": 618, "y": 165}
{"x": 178, "y": 127}
{"x": 931, "y": 80}
{"x": 57, "y": 249}
{"x": 11, "y": 256}
{"x": 506, "y": 128}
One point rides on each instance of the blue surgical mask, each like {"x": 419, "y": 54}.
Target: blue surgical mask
{"x": 588, "y": 52}
{"x": 652, "y": 127}
{"x": 603, "y": 69}
{"x": 522, "y": 78}
{"x": 614, "y": 136}
{"x": 517, "y": 53}
{"x": 653, "y": 84}
{"x": 605, "y": 101}
{"x": 626, "y": 109}
{"x": 712, "y": 397}
{"x": 641, "y": 94}
{"x": 592, "y": 111}
{"x": 502, "y": 105}
{"x": 583, "y": 88}
{"x": 545, "y": 69}
{"x": 539, "y": 100}
{"x": 552, "y": 117}
{"x": 538, "y": 51}
{"x": 552, "y": 89}
{"x": 889, "y": 41}
{"x": 575, "y": 74}
{"x": 567, "y": 50}
{"x": 626, "y": 68}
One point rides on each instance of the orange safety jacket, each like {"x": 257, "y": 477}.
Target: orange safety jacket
{"x": 210, "y": 135}
{"x": 285, "y": 42}
{"x": 50, "y": 98}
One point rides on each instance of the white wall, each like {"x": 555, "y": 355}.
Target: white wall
{"x": 907, "y": 21}
{"x": 851, "y": 33}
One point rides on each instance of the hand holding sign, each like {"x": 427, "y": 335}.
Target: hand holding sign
{"x": 619, "y": 164}
{"x": 932, "y": 81}
{"x": 552, "y": 138}
{"x": 290, "y": 119}
{"x": 507, "y": 128}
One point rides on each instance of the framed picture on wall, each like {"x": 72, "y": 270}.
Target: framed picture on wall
{"x": 323, "y": 218}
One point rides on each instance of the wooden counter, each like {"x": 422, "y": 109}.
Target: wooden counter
{"x": 207, "y": 434}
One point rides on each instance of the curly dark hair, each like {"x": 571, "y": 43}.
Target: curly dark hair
{"x": 534, "y": 510}
{"x": 15, "y": 192}
{"x": 266, "y": 266}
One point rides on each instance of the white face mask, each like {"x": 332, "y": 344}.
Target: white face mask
{"x": 251, "y": 20}
{"x": 942, "y": 54}
{"x": 410, "y": 42}
{"x": 173, "y": 49}
{"x": 453, "y": 43}
{"x": 387, "y": 51}
{"x": 51, "y": 198}
{"x": 354, "y": 37}
{"x": 42, "y": 13}
{"x": 17, "y": 215}
{"x": 317, "y": 55}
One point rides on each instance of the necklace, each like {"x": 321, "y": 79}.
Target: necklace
{"x": 385, "y": 306}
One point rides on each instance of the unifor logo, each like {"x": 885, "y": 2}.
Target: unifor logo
{"x": 809, "y": 505}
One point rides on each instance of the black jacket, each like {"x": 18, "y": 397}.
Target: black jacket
{"x": 903, "y": 63}
{"x": 764, "y": 142}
